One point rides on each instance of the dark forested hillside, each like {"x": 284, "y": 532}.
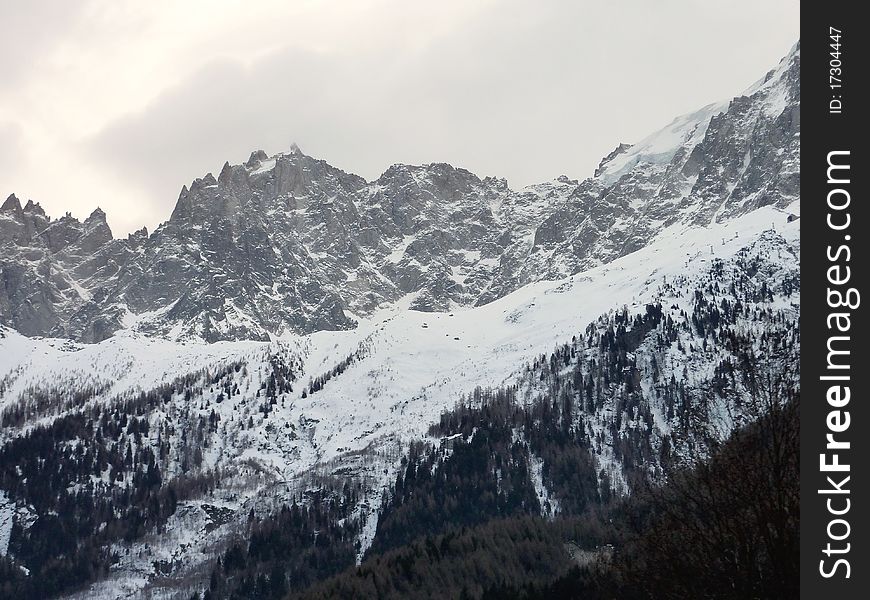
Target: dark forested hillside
{"x": 631, "y": 407}
{"x": 727, "y": 528}
{"x": 293, "y": 549}
{"x": 465, "y": 517}
{"x": 308, "y": 385}
{"x": 106, "y": 473}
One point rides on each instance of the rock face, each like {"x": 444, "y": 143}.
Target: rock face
{"x": 291, "y": 243}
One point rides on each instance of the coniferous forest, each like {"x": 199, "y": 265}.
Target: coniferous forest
{"x": 310, "y": 385}
{"x": 506, "y": 496}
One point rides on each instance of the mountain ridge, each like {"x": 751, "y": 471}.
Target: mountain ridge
{"x": 291, "y": 243}
{"x": 301, "y": 371}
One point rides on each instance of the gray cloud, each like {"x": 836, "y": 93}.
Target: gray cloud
{"x": 10, "y": 147}
{"x": 523, "y": 90}
{"x": 29, "y": 31}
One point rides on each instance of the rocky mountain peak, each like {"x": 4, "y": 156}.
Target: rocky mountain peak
{"x": 11, "y": 204}
{"x": 257, "y": 156}
{"x": 225, "y": 174}
{"x": 292, "y": 243}
{"x": 139, "y": 233}
{"x": 34, "y": 208}
{"x": 613, "y": 154}
{"x": 97, "y": 216}
{"x": 95, "y": 231}
{"x": 183, "y": 206}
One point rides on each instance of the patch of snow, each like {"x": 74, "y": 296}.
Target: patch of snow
{"x": 549, "y": 504}
{"x": 265, "y": 166}
{"x": 660, "y": 147}
{"x": 7, "y": 515}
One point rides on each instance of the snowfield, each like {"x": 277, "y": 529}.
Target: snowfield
{"x": 190, "y": 377}
{"x": 411, "y": 367}
{"x": 416, "y": 364}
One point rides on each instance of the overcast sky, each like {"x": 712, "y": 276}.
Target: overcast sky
{"x": 118, "y": 103}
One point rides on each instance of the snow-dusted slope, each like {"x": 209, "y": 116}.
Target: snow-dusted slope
{"x": 414, "y": 364}
{"x": 293, "y": 327}
{"x": 409, "y": 367}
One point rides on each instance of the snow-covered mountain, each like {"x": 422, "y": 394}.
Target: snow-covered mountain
{"x": 292, "y": 329}
{"x": 291, "y": 244}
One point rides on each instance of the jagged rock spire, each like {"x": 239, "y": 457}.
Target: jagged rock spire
{"x": 11, "y": 204}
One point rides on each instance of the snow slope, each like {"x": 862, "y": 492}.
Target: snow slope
{"x": 411, "y": 371}
{"x": 655, "y": 212}
{"x": 411, "y": 366}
